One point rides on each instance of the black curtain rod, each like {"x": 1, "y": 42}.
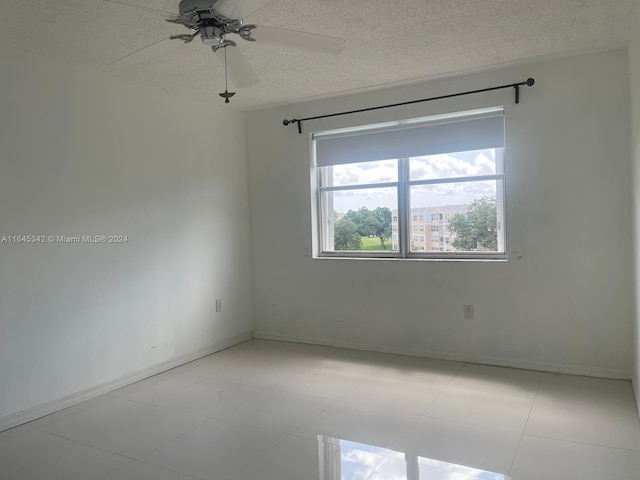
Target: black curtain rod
{"x": 516, "y": 86}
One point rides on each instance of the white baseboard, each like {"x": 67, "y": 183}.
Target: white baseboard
{"x": 636, "y": 392}
{"x": 52, "y": 406}
{"x": 588, "y": 371}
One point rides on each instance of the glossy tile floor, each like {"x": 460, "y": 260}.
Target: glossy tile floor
{"x": 282, "y": 411}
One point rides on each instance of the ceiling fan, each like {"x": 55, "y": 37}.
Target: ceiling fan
{"x": 219, "y": 23}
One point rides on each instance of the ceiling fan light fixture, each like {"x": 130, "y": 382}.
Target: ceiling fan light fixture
{"x": 212, "y": 36}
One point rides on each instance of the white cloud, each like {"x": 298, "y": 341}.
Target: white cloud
{"x": 447, "y": 166}
{"x": 372, "y": 172}
{"x": 358, "y": 464}
{"x": 422, "y": 168}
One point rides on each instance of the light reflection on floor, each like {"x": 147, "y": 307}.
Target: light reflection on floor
{"x": 347, "y": 460}
{"x": 254, "y": 412}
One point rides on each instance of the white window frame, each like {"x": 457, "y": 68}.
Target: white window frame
{"x": 320, "y": 204}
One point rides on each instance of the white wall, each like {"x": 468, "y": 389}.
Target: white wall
{"x": 563, "y": 301}
{"x": 634, "y": 67}
{"x": 83, "y": 154}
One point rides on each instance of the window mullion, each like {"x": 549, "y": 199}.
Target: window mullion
{"x": 403, "y": 206}
{"x": 475, "y": 178}
{"x": 361, "y": 186}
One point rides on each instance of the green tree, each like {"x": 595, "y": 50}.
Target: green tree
{"x": 346, "y": 236}
{"x": 478, "y": 229}
{"x": 376, "y": 222}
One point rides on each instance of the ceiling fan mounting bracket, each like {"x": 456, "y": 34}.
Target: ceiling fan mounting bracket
{"x": 201, "y": 17}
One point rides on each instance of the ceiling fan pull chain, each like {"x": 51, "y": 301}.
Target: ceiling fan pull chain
{"x": 226, "y": 95}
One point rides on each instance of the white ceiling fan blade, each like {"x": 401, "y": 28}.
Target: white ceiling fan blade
{"x": 300, "y": 40}
{"x": 240, "y": 70}
{"x": 143, "y": 54}
{"x": 238, "y": 9}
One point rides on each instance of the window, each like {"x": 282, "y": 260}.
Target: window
{"x": 342, "y": 458}
{"x": 372, "y": 180}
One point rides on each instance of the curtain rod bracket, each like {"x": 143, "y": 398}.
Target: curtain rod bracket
{"x": 516, "y": 86}
{"x": 286, "y": 122}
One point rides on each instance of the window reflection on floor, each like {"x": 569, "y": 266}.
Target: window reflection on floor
{"x": 346, "y": 460}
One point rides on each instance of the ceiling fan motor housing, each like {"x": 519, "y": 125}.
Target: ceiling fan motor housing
{"x": 188, "y": 6}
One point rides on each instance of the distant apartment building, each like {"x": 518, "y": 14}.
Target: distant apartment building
{"x": 428, "y": 230}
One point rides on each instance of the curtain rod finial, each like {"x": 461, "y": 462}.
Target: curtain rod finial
{"x": 530, "y": 81}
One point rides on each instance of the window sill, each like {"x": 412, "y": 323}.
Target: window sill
{"x": 494, "y": 258}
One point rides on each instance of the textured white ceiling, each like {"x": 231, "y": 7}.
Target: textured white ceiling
{"x": 387, "y": 42}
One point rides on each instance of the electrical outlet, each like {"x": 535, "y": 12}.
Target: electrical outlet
{"x": 468, "y": 312}
{"x": 219, "y": 305}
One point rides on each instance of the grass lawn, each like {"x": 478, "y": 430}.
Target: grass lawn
{"x": 374, "y": 244}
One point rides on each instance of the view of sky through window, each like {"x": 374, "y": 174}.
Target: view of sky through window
{"x": 442, "y": 166}
{"x": 360, "y": 461}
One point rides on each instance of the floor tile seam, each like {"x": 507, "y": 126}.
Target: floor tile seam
{"x": 478, "y": 426}
{"x": 453, "y": 376}
{"x": 258, "y": 458}
{"x": 241, "y": 384}
{"x": 515, "y": 454}
{"x": 297, "y": 370}
{"x": 384, "y": 363}
{"x": 348, "y": 403}
{"x": 495, "y": 392}
{"x": 204, "y": 419}
{"x": 318, "y": 366}
{"x": 104, "y": 450}
{"x": 492, "y": 392}
{"x": 251, "y": 423}
{"x": 20, "y": 431}
{"x": 331, "y": 404}
{"x": 170, "y": 408}
{"x": 439, "y": 394}
{"x": 442, "y": 384}
{"x": 154, "y": 466}
{"x": 335, "y": 399}
{"x": 524, "y": 428}
{"x": 364, "y": 380}
{"x": 588, "y": 444}
{"x": 391, "y": 446}
{"x": 517, "y": 429}
{"x": 149, "y": 452}
{"x": 582, "y": 402}
{"x": 279, "y": 386}
{"x": 53, "y": 423}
